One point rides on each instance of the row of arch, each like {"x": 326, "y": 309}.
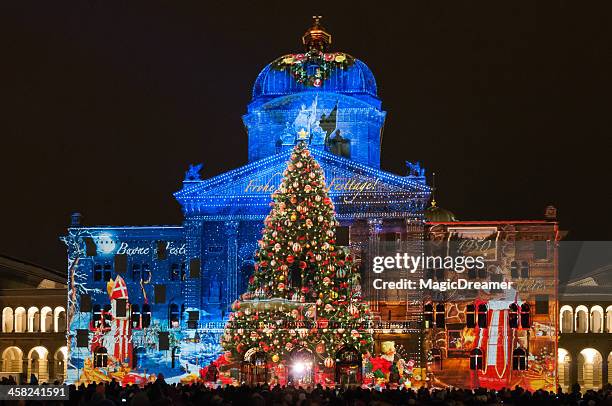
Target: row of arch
{"x": 37, "y": 361}
{"x": 585, "y": 320}
{"x": 33, "y": 320}
{"x": 590, "y": 367}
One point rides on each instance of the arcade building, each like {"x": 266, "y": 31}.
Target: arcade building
{"x": 145, "y": 300}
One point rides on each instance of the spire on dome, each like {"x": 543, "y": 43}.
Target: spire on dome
{"x": 316, "y": 38}
{"x": 433, "y": 190}
{"x": 435, "y": 213}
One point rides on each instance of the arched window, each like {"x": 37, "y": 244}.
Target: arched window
{"x": 609, "y": 324}
{"x": 107, "y": 315}
{"x": 513, "y": 316}
{"x": 146, "y": 315}
{"x": 33, "y": 320}
{"x": 440, "y": 315}
{"x": 525, "y": 315}
{"x": 20, "y": 320}
{"x": 135, "y": 317}
{"x": 59, "y": 319}
{"x": 174, "y": 316}
{"x": 582, "y": 319}
{"x": 12, "y": 360}
{"x": 476, "y": 359}
{"x": 428, "y": 315}
{"x": 524, "y": 269}
{"x": 8, "y": 321}
{"x": 590, "y": 365}
{"x": 519, "y": 359}
{"x": 60, "y": 365}
{"x": 100, "y": 358}
{"x": 46, "y": 319}
{"x": 597, "y": 319}
{"x": 483, "y": 313}
{"x": 514, "y": 269}
{"x": 470, "y": 316}
{"x": 567, "y": 319}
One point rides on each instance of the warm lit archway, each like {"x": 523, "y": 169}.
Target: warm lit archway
{"x": 20, "y": 320}
{"x": 597, "y": 317}
{"x": 12, "y": 361}
{"x": 46, "y": 319}
{"x": 567, "y": 319}
{"x": 589, "y": 369}
{"x": 582, "y": 319}
{"x": 60, "y": 359}
{"x": 609, "y": 320}
{"x": 33, "y": 320}
{"x": 564, "y": 359}
{"x": 8, "y": 321}
{"x": 59, "y": 319}
{"x": 610, "y": 367}
{"x": 38, "y": 364}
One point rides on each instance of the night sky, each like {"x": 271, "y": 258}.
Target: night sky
{"x": 106, "y": 103}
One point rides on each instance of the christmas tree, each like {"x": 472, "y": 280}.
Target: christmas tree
{"x": 305, "y": 292}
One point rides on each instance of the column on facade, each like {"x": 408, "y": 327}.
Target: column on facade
{"x": 25, "y": 369}
{"x": 604, "y": 369}
{"x": 374, "y": 230}
{"x": 193, "y": 286}
{"x": 231, "y": 232}
{"x": 573, "y": 370}
{"x": 51, "y": 368}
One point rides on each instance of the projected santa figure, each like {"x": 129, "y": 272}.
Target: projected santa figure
{"x": 120, "y": 332}
{"x": 111, "y": 326}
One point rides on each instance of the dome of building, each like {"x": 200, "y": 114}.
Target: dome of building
{"x": 317, "y": 69}
{"x": 435, "y": 214}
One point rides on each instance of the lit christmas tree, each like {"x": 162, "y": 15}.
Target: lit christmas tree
{"x": 305, "y": 291}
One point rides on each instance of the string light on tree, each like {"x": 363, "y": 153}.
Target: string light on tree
{"x": 305, "y": 291}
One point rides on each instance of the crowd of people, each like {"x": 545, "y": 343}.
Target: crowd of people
{"x": 160, "y": 393}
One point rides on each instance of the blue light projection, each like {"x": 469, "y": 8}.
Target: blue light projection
{"x": 209, "y": 258}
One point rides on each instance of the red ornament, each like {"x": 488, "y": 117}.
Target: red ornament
{"x": 290, "y": 259}
{"x": 320, "y": 348}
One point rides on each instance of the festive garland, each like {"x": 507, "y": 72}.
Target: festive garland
{"x": 298, "y": 64}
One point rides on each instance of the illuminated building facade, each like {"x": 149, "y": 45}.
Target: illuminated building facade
{"x": 135, "y": 291}
{"x": 33, "y": 322}
{"x": 491, "y": 337}
{"x": 145, "y": 300}
{"x": 585, "y": 329}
